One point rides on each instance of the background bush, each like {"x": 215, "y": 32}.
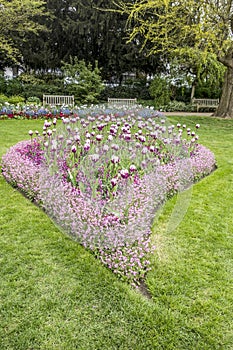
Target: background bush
{"x": 160, "y": 91}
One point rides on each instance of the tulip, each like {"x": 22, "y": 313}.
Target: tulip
{"x": 115, "y": 147}
{"x": 115, "y": 159}
{"x": 132, "y": 168}
{"x": 142, "y": 138}
{"x": 127, "y": 137}
{"x": 74, "y": 149}
{"x": 105, "y": 148}
{"x": 99, "y": 137}
{"x": 114, "y": 182}
{"x": 124, "y": 173}
{"x": 86, "y": 147}
{"x": 95, "y": 157}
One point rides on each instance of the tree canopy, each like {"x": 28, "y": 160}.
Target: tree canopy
{"x": 17, "y": 18}
{"x": 197, "y": 29}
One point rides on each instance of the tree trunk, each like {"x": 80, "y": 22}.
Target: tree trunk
{"x": 225, "y": 108}
{"x": 193, "y": 90}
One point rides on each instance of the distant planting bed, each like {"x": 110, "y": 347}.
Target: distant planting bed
{"x": 102, "y": 175}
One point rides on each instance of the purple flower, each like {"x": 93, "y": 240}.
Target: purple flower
{"x": 115, "y": 159}
{"x": 142, "y": 138}
{"x": 127, "y": 137}
{"x": 95, "y": 157}
{"x": 99, "y": 137}
{"x": 115, "y": 146}
{"x": 86, "y": 146}
{"x": 124, "y": 173}
{"x": 132, "y": 168}
{"x": 105, "y": 148}
{"x": 114, "y": 181}
{"x": 74, "y": 149}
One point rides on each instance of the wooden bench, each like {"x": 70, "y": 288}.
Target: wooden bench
{"x": 120, "y": 102}
{"x": 205, "y": 103}
{"x": 58, "y": 100}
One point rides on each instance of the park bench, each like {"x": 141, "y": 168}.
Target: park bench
{"x": 205, "y": 103}
{"x": 120, "y": 102}
{"x": 58, "y": 100}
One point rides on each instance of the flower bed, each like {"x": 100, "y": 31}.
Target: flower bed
{"x": 102, "y": 176}
{"x": 38, "y": 111}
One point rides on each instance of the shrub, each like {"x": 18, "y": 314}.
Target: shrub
{"x": 15, "y": 99}
{"x": 160, "y": 90}
{"x": 178, "y": 106}
{"x": 83, "y": 81}
{"x": 34, "y": 99}
{"x": 3, "y": 98}
{"x": 124, "y": 91}
{"x": 14, "y": 87}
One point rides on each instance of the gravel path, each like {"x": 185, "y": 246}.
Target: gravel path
{"x": 188, "y": 114}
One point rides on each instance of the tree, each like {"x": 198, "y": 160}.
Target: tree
{"x": 82, "y": 81}
{"x": 197, "y": 29}
{"x": 160, "y": 91}
{"x": 87, "y": 30}
{"x": 17, "y": 18}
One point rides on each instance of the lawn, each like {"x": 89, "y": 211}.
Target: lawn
{"x": 56, "y": 295}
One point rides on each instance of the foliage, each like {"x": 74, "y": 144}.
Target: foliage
{"x": 16, "y": 19}
{"x": 178, "y": 106}
{"x": 206, "y": 89}
{"x": 14, "y": 87}
{"x": 160, "y": 90}
{"x": 3, "y": 98}
{"x": 31, "y": 79}
{"x": 15, "y": 99}
{"x": 34, "y": 99}
{"x": 200, "y": 32}
{"x": 138, "y": 89}
{"x": 89, "y": 31}
{"x": 83, "y": 81}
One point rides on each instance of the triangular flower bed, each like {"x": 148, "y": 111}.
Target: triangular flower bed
{"x": 101, "y": 178}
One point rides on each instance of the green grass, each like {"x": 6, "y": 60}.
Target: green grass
{"x": 55, "y": 295}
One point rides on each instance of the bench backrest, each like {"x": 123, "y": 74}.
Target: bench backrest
{"x": 58, "y": 100}
{"x": 206, "y": 102}
{"x": 122, "y": 101}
